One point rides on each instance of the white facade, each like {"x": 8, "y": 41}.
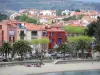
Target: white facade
{"x": 65, "y": 12}
{"x": 43, "y": 20}
{"x": 48, "y": 12}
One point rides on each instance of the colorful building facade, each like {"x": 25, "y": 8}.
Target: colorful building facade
{"x": 8, "y": 31}
{"x": 56, "y": 36}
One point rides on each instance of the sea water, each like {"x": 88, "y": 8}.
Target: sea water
{"x": 87, "y": 72}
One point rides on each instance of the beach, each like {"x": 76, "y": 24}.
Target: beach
{"x": 48, "y": 67}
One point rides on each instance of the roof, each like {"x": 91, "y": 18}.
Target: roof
{"x": 12, "y": 23}
{"x": 31, "y": 26}
{"x": 55, "y": 30}
{"x": 76, "y": 13}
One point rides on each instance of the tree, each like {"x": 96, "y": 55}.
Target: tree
{"x": 77, "y": 10}
{"x": 3, "y": 17}
{"x": 6, "y": 49}
{"x": 17, "y": 17}
{"x": 81, "y": 43}
{"x": 23, "y": 18}
{"x": 58, "y": 12}
{"x": 21, "y": 48}
{"x": 43, "y": 42}
{"x": 31, "y": 20}
{"x": 64, "y": 14}
{"x": 93, "y": 30}
{"x": 63, "y": 48}
{"x": 74, "y": 29}
{"x": 70, "y": 18}
{"x": 79, "y": 17}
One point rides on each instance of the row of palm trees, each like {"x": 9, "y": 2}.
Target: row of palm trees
{"x": 20, "y": 47}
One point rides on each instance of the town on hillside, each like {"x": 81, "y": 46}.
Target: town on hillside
{"x": 51, "y": 27}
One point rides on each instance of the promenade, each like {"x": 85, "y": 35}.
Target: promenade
{"x": 48, "y": 67}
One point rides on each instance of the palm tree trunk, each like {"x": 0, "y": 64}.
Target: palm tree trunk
{"x": 21, "y": 57}
{"x": 83, "y": 53}
{"x": 6, "y": 55}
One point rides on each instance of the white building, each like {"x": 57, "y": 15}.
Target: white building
{"x": 48, "y": 12}
{"x": 28, "y": 32}
{"x": 65, "y": 12}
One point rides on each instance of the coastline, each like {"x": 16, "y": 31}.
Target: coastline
{"x": 48, "y": 68}
{"x": 65, "y": 71}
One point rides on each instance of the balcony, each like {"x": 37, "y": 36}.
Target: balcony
{"x": 34, "y": 37}
{"x": 21, "y": 34}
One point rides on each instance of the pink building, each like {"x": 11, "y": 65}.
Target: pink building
{"x": 8, "y": 31}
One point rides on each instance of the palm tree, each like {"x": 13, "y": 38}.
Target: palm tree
{"x": 6, "y": 49}
{"x": 21, "y": 48}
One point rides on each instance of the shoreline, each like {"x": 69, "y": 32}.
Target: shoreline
{"x": 49, "y": 68}
{"x": 66, "y": 71}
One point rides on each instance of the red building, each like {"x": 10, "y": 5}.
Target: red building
{"x": 56, "y": 36}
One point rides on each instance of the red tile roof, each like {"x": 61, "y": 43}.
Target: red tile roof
{"x": 30, "y": 26}
{"x": 76, "y": 13}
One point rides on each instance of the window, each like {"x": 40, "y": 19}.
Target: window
{"x": 10, "y": 38}
{"x": 52, "y": 34}
{"x": 11, "y": 32}
{"x": 2, "y": 32}
{"x": 59, "y": 41}
{"x": 59, "y": 34}
{"x": 44, "y": 34}
{"x": 0, "y": 26}
{"x": 22, "y": 33}
{"x": 2, "y": 39}
{"x": 51, "y": 40}
{"x": 13, "y": 39}
{"x": 34, "y": 33}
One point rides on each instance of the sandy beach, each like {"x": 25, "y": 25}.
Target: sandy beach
{"x": 48, "y": 67}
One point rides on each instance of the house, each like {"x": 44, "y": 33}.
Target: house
{"x": 46, "y": 19}
{"x": 76, "y": 13}
{"x": 92, "y": 14}
{"x": 28, "y": 31}
{"x": 48, "y": 12}
{"x": 8, "y": 31}
{"x": 1, "y": 37}
{"x": 56, "y": 36}
{"x": 66, "y": 12}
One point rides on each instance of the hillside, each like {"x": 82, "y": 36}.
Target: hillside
{"x": 50, "y": 4}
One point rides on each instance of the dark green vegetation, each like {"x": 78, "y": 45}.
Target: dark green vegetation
{"x": 93, "y": 30}
{"x": 74, "y": 29}
{"x": 6, "y": 49}
{"x": 80, "y": 43}
{"x": 73, "y": 18}
{"x": 3, "y": 17}
{"x": 25, "y": 18}
{"x": 21, "y": 48}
